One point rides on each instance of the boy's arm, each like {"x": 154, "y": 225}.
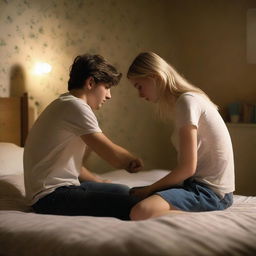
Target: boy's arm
{"x": 85, "y": 174}
{"x": 112, "y": 153}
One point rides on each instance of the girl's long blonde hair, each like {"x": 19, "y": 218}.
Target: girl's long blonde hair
{"x": 169, "y": 82}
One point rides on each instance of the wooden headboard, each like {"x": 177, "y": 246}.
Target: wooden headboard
{"x": 14, "y": 119}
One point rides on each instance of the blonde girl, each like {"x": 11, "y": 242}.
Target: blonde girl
{"x": 203, "y": 179}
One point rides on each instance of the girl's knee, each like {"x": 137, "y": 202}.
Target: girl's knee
{"x": 149, "y": 208}
{"x": 140, "y": 212}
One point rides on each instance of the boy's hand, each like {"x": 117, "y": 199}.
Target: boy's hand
{"x": 102, "y": 180}
{"x": 135, "y": 165}
{"x": 86, "y": 175}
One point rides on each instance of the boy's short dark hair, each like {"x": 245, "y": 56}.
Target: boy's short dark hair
{"x": 96, "y": 66}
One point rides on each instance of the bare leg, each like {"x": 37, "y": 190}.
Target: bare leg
{"x": 153, "y": 206}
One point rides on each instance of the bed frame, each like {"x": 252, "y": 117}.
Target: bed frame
{"x": 14, "y": 119}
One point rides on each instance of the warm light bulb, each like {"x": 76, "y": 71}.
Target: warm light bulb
{"x": 42, "y": 68}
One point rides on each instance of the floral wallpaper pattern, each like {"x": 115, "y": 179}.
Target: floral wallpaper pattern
{"x": 55, "y": 31}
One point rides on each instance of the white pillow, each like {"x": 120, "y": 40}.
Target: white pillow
{"x": 138, "y": 179}
{"x": 11, "y": 158}
{"x": 12, "y": 191}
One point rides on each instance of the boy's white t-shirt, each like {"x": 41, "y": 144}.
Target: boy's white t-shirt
{"x": 215, "y": 163}
{"x": 54, "y": 150}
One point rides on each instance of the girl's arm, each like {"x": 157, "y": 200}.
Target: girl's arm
{"x": 187, "y": 162}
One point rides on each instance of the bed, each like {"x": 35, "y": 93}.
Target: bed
{"x": 22, "y": 232}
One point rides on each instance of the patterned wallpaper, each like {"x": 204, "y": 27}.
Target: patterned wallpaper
{"x": 55, "y": 31}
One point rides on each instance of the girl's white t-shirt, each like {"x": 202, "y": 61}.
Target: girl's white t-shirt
{"x": 215, "y": 164}
{"x": 54, "y": 150}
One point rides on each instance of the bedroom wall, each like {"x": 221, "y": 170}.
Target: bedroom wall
{"x": 204, "y": 39}
{"x": 211, "y": 41}
{"x": 57, "y": 31}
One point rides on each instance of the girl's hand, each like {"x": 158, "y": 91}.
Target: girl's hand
{"x": 141, "y": 192}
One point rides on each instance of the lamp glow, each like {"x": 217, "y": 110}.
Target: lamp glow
{"x": 42, "y": 68}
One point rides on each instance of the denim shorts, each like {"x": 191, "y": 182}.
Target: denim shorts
{"x": 194, "y": 196}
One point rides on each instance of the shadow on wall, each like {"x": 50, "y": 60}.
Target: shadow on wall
{"x": 18, "y": 88}
{"x": 17, "y": 81}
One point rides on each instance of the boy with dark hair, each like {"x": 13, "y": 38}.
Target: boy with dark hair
{"x": 56, "y": 144}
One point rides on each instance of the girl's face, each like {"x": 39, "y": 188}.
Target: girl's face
{"x": 146, "y": 87}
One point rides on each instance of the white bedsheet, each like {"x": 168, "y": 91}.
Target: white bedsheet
{"x": 229, "y": 232}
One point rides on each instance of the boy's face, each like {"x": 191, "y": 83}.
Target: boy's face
{"x": 98, "y": 95}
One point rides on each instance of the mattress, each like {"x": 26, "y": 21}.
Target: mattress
{"x": 228, "y": 232}
{"x": 24, "y": 233}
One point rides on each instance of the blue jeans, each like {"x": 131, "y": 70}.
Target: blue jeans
{"x": 90, "y": 199}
